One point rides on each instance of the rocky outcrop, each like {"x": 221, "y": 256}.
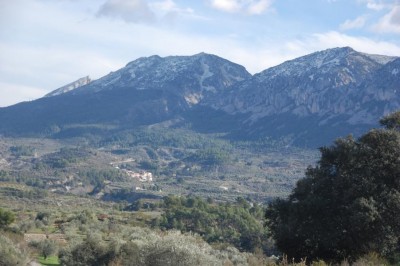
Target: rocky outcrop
{"x": 69, "y": 87}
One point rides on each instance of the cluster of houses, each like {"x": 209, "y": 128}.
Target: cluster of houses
{"x": 142, "y": 176}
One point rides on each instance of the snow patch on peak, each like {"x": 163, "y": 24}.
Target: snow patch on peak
{"x": 318, "y": 60}
{"x": 70, "y": 86}
{"x": 206, "y": 74}
{"x": 380, "y": 59}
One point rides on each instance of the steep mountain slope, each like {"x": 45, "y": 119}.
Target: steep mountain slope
{"x": 146, "y": 91}
{"x": 317, "y": 97}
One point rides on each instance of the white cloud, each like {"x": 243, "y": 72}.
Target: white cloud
{"x": 226, "y": 5}
{"x": 376, "y": 5}
{"x": 141, "y": 11}
{"x": 13, "y": 93}
{"x": 357, "y": 23}
{"x": 259, "y": 7}
{"x": 321, "y": 41}
{"x": 390, "y": 23}
{"x": 45, "y": 69}
{"x": 167, "y": 5}
{"x": 136, "y": 11}
{"x": 167, "y": 11}
{"x": 251, "y": 7}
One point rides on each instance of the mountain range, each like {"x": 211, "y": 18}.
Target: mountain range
{"x": 309, "y": 101}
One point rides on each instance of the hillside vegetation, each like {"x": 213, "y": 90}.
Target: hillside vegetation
{"x": 155, "y": 198}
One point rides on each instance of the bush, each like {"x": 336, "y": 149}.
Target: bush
{"x": 91, "y": 251}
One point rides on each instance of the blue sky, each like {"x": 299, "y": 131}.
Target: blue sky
{"x": 45, "y": 44}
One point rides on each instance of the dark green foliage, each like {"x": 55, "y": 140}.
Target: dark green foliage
{"x": 391, "y": 121}
{"x": 22, "y": 151}
{"x": 91, "y": 252}
{"x": 97, "y": 177}
{"x": 6, "y": 218}
{"x": 209, "y": 157}
{"x": 43, "y": 216}
{"x": 34, "y": 193}
{"x": 65, "y": 157}
{"x": 238, "y": 224}
{"x": 348, "y": 205}
{"x": 169, "y": 137}
{"x": 148, "y": 165}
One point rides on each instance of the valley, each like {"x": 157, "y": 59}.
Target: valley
{"x": 155, "y": 164}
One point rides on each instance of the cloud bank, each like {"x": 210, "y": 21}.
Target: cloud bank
{"x": 357, "y": 23}
{"x": 390, "y": 23}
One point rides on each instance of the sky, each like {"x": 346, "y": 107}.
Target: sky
{"x": 45, "y": 44}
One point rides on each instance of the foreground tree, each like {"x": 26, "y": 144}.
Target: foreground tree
{"x": 48, "y": 248}
{"x": 12, "y": 253}
{"x": 349, "y": 204}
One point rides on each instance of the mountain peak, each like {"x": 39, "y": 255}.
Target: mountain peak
{"x": 193, "y": 77}
{"x": 330, "y": 60}
{"x": 322, "y": 88}
{"x": 344, "y": 50}
{"x": 145, "y": 60}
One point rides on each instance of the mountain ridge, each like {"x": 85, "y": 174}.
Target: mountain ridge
{"x": 311, "y": 99}
{"x": 334, "y": 87}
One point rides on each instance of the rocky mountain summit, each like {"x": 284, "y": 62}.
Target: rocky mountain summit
{"x": 340, "y": 90}
{"x": 191, "y": 77}
{"x": 308, "y": 101}
{"x": 327, "y": 83}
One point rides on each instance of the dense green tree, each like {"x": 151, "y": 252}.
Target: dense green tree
{"x": 349, "y": 204}
{"x": 209, "y": 157}
{"x": 6, "y": 218}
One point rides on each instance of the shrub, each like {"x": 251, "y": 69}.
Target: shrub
{"x": 6, "y": 218}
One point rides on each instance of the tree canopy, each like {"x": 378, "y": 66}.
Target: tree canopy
{"x": 348, "y": 204}
{"x": 6, "y": 218}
